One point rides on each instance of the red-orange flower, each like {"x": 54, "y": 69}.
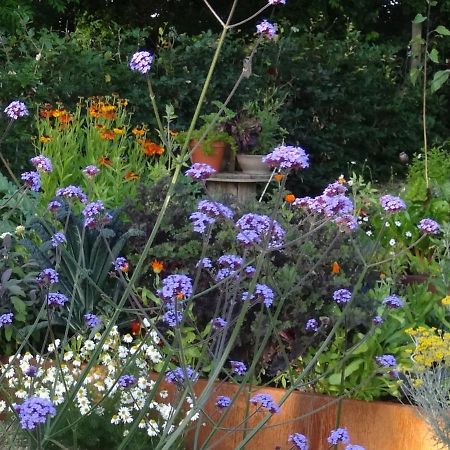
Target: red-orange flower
{"x": 138, "y": 131}
{"x": 65, "y": 118}
{"x": 131, "y": 176}
{"x": 335, "y": 267}
{"x": 105, "y": 161}
{"x": 157, "y": 266}
{"x": 289, "y": 198}
{"x": 135, "y": 326}
{"x": 107, "y": 135}
{"x": 150, "y": 148}
{"x": 278, "y": 177}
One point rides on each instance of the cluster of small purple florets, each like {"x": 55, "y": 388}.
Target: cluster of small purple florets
{"x": 208, "y": 212}
{"x": 34, "y": 411}
{"x": 388, "y": 362}
{"x": 91, "y": 171}
{"x": 6, "y": 319}
{"x": 287, "y": 157}
{"x": 16, "y": 109}
{"x": 267, "y": 29}
{"x": 342, "y": 296}
{"x": 265, "y": 401}
{"x": 95, "y": 215}
{"x": 58, "y": 239}
{"x": 179, "y": 375}
{"x": 56, "y": 299}
{"x": 54, "y": 206}
{"x": 238, "y": 367}
{"x": 228, "y": 267}
{"x": 72, "y": 192}
{"x": 47, "y": 277}
{"x": 222, "y": 401}
{"x": 31, "y": 180}
{"x": 312, "y": 325}
{"x": 262, "y": 293}
{"x": 141, "y": 62}
{"x": 42, "y": 163}
{"x": 299, "y": 441}
{"x": 393, "y": 301}
{"x": 200, "y": 171}
{"x": 429, "y": 226}
{"x": 126, "y": 381}
{"x": 256, "y": 229}
{"x": 392, "y": 204}
{"x": 120, "y": 264}
{"x": 219, "y": 323}
{"x": 91, "y": 320}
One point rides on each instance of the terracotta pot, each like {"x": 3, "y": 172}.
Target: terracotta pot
{"x": 215, "y": 159}
{"x": 373, "y": 425}
{"x": 252, "y": 164}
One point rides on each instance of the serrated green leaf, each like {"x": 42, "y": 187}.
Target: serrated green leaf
{"x": 419, "y": 18}
{"x": 444, "y": 31}
{"x": 434, "y": 56}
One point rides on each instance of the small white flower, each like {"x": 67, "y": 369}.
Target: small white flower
{"x": 366, "y": 219}
{"x": 164, "y": 394}
{"x": 68, "y": 356}
{"x": 350, "y": 183}
{"x": 392, "y": 242}
{"x": 369, "y": 233}
{"x": 127, "y": 338}
{"x": 387, "y": 224}
{"x": 51, "y": 348}
{"x": 38, "y": 56}
{"x": 125, "y": 433}
{"x": 122, "y": 351}
{"x": 76, "y": 363}
{"x": 2, "y": 406}
{"x": 21, "y": 393}
{"x": 153, "y": 428}
{"x": 142, "y": 424}
{"x": 100, "y": 411}
{"x": 115, "y": 419}
{"x": 146, "y": 323}
{"x": 89, "y": 345}
{"x": 398, "y": 223}
{"x": 408, "y": 234}
{"x": 125, "y": 415}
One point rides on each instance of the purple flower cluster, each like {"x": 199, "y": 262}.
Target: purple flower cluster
{"x": 222, "y": 401}
{"x": 256, "y": 229}
{"x": 267, "y": 29}
{"x": 429, "y": 226}
{"x": 388, "y": 361}
{"x": 208, "y": 212}
{"x": 58, "y": 239}
{"x": 342, "y": 296}
{"x": 16, "y": 109}
{"x": 47, "y": 277}
{"x": 228, "y": 266}
{"x": 393, "y": 302}
{"x": 205, "y": 263}
{"x": 312, "y": 325}
{"x": 54, "y": 205}
{"x": 346, "y": 222}
{"x": 339, "y": 435}
{"x": 277, "y": 2}
{"x": 377, "y": 320}
{"x": 6, "y": 319}
{"x": 91, "y": 320}
{"x": 261, "y": 293}
{"x": 31, "y": 180}
{"x": 299, "y": 441}
{"x": 34, "y": 411}
{"x": 175, "y": 287}
{"x": 31, "y": 371}
{"x": 354, "y": 447}
{"x": 56, "y": 299}
{"x": 200, "y": 171}
{"x": 120, "y": 264}
{"x": 265, "y": 401}
{"x": 173, "y": 317}
{"x": 392, "y": 204}
{"x": 91, "y": 171}
{"x": 287, "y": 157}
{"x": 42, "y": 163}
{"x": 238, "y": 367}
{"x": 218, "y": 323}
{"x": 334, "y": 189}
{"x": 95, "y": 215}
{"x": 72, "y": 192}
{"x": 141, "y": 62}
{"x": 179, "y": 375}
{"x": 126, "y": 381}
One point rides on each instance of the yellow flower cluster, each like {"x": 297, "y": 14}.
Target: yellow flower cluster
{"x": 446, "y": 300}
{"x": 432, "y": 346}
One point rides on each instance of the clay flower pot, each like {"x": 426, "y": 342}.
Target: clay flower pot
{"x": 214, "y": 159}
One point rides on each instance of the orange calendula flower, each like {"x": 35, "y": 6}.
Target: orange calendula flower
{"x": 289, "y": 198}
{"x": 150, "y": 148}
{"x": 65, "y": 118}
{"x": 105, "y": 161}
{"x": 46, "y": 113}
{"x": 107, "y": 135}
{"x": 157, "y": 266}
{"x": 335, "y": 267}
{"x": 93, "y": 111}
{"x": 278, "y": 177}
{"x": 138, "y": 131}
{"x": 131, "y": 176}
{"x": 119, "y": 130}
{"x": 44, "y": 139}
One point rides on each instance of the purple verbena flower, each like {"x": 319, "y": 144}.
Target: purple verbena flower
{"x": 337, "y": 205}
{"x": 95, "y": 215}
{"x": 392, "y": 204}
{"x": 334, "y": 189}
{"x": 354, "y": 447}
{"x": 262, "y": 293}
{"x": 267, "y": 29}
{"x": 16, "y": 109}
{"x": 42, "y": 163}
{"x": 56, "y": 299}
{"x": 312, "y": 325}
{"x": 230, "y": 261}
{"x": 179, "y": 375}
{"x": 200, "y": 221}
{"x": 346, "y": 223}
{"x": 238, "y": 367}
{"x": 91, "y": 171}
{"x": 6, "y": 319}
{"x": 31, "y": 180}
{"x": 200, "y": 171}
{"x": 393, "y": 301}
{"x": 31, "y": 371}
{"x": 299, "y": 441}
{"x": 387, "y": 361}
{"x": 256, "y": 229}
{"x": 377, "y": 320}
{"x": 339, "y": 435}
{"x": 249, "y": 271}
{"x": 208, "y": 212}
{"x": 121, "y": 264}
{"x": 91, "y": 320}
{"x": 173, "y": 317}
{"x": 265, "y": 401}
{"x": 72, "y": 192}
{"x": 223, "y": 401}
{"x": 429, "y": 226}
{"x": 205, "y": 263}
{"x": 54, "y": 206}
{"x": 287, "y": 157}
{"x": 34, "y": 411}
{"x": 218, "y": 323}
{"x": 141, "y": 62}
{"x": 47, "y": 277}
{"x": 126, "y": 381}
{"x": 342, "y": 296}
{"x": 277, "y": 2}
{"x": 175, "y": 287}
{"x": 58, "y": 239}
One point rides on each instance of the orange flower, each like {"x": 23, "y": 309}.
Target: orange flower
{"x": 150, "y": 148}
{"x": 173, "y": 133}
{"x": 180, "y": 296}
{"x": 119, "y": 130}
{"x": 138, "y": 131}
{"x": 123, "y": 101}
{"x": 65, "y": 118}
{"x": 46, "y": 113}
{"x": 157, "y": 266}
{"x": 105, "y": 161}
{"x": 135, "y": 326}
{"x": 278, "y": 177}
{"x": 99, "y": 126}
{"x": 131, "y": 176}
{"x": 107, "y": 108}
{"x": 335, "y": 268}
{"x": 45, "y": 139}
{"x": 107, "y": 135}
{"x": 289, "y": 198}
{"x": 93, "y": 111}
